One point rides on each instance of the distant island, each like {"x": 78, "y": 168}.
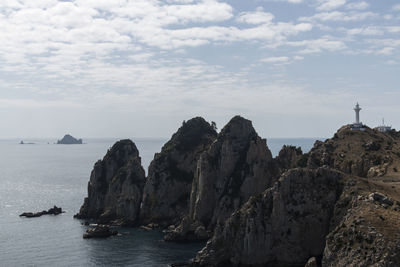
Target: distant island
{"x": 69, "y": 140}
{"x": 23, "y": 143}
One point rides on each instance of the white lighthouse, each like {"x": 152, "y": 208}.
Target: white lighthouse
{"x": 357, "y": 125}
{"x": 357, "y": 110}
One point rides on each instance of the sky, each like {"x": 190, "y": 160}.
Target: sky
{"x": 138, "y": 68}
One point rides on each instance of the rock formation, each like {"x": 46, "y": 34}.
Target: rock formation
{"x": 236, "y": 166}
{"x": 169, "y": 182}
{"x": 99, "y": 231}
{"x": 318, "y": 215}
{"x": 364, "y": 230}
{"x": 289, "y": 157}
{"x": 284, "y": 226}
{"x": 69, "y": 140}
{"x": 52, "y": 211}
{"x": 366, "y": 153}
{"x": 116, "y": 186}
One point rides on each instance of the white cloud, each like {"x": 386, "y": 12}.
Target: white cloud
{"x": 275, "y": 59}
{"x": 396, "y": 7}
{"x": 365, "y": 31}
{"x": 288, "y": 1}
{"x": 386, "y": 51}
{"x": 326, "y": 43}
{"x": 393, "y": 29}
{"x": 357, "y": 5}
{"x": 340, "y": 16}
{"x": 258, "y": 17}
{"x": 326, "y": 5}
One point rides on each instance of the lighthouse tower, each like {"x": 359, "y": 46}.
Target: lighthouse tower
{"x": 357, "y": 125}
{"x": 357, "y": 110}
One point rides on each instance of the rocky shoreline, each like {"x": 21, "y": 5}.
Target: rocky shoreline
{"x": 337, "y": 205}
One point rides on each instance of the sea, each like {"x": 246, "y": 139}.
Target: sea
{"x": 35, "y": 177}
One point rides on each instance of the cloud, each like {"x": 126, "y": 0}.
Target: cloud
{"x": 386, "y": 51}
{"x": 326, "y": 43}
{"x": 396, "y": 7}
{"x": 357, "y": 5}
{"x": 258, "y": 17}
{"x": 326, "y": 5}
{"x": 275, "y": 59}
{"x": 366, "y": 31}
{"x": 340, "y": 16}
{"x": 288, "y": 1}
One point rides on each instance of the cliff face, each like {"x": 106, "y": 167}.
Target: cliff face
{"x": 285, "y": 225}
{"x": 116, "y": 186}
{"x": 168, "y": 185}
{"x": 236, "y": 166}
{"x": 363, "y": 153}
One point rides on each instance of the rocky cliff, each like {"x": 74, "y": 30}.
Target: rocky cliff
{"x": 116, "y": 186}
{"x": 236, "y": 166}
{"x": 283, "y": 226}
{"x": 169, "y": 182}
{"x": 365, "y": 227}
{"x": 366, "y": 153}
{"x": 317, "y": 215}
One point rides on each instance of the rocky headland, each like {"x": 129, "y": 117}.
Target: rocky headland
{"x": 337, "y": 205}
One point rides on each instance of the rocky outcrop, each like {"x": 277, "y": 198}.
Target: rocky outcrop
{"x": 284, "y": 226}
{"x": 69, "y": 140}
{"x": 289, "y": 157}
{"x": 116, "y": 186}
{"x": 52, "y": 211}
{"x": 366, "y": 153}
{"x": 364, "y": 230}
{"x": 168, "y": 185}
{"x": 236, "y": 166}
{"x": 99, "y": 231}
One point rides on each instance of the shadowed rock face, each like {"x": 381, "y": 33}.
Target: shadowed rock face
{"x": 168, "y": 185}
{"x": 284, "y": 226}
{"x": 236, "y": 166}
{"x": 115, "y": 187}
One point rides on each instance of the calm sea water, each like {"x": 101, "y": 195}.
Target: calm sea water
{"x": 36, "y": 177}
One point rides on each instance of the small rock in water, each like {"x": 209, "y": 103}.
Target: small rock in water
{"x": 53, "y": 211}
{"x": 100, "y": 231}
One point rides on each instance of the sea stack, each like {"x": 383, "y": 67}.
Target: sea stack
{"x": 116, "y": 186}
{"x": 69, "y": 140}
{"x": 236, "y": 166}
{"x": 169, "y": 182}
